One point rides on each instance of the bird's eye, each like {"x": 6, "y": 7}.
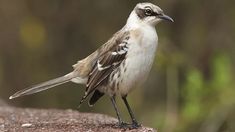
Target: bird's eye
{"x": 148, "y": 12}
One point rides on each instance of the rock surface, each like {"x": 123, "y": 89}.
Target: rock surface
{"x": 42, "y": 120}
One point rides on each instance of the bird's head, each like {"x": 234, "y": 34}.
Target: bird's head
{"x": 150, "y": 14}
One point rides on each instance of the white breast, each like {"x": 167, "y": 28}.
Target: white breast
{"x": 139, "y": 58}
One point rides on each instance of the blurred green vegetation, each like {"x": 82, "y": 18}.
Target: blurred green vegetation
{"x": 190, "y": 88}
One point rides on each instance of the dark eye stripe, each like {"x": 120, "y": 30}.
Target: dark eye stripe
{"x": 142, "y": 13}
{"x": 155, "y": 14}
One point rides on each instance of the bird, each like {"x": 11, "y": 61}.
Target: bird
{"x": 119, "y": 65}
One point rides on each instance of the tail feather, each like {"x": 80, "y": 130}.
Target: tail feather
{"x": 42, "y": 86}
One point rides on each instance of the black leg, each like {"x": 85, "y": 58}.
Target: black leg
{"x": 134, "y": 122}
{"x": 121, "y": 123}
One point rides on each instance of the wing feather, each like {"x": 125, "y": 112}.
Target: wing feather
{"x": 106, "y": 64}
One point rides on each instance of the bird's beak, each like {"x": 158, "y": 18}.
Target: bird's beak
{"x": 165, "y": 17}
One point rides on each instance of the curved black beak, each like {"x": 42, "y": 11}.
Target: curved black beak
{"x": 165, "y": 17}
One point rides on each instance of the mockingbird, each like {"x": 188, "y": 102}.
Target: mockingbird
{"x": 119, "y": 65}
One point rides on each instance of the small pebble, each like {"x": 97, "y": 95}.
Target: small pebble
{"x": 26, "y": 125}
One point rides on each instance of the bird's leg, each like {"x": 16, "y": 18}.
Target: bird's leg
{"x": 134, "y": 122}
{"x": 121, "y": 123}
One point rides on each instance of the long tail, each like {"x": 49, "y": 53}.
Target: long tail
{"x": 43, "y": 86}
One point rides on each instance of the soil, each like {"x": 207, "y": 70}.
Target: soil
{"x": 14, "y": 119}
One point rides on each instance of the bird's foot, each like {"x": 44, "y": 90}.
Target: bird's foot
{"x": 123, "y": 125}
{"x": 135, "y": 125}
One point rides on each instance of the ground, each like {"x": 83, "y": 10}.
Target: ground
{"x": 47, "y": 120}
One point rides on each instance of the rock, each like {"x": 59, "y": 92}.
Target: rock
{"x": 2, "y": 103}
{"x": 42, "y": 120}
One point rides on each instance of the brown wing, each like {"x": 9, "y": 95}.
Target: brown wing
{"x": 106, "y": 64}
{"x": 83, "y": 67}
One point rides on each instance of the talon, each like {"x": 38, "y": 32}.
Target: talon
{"x": 135, "y": 125}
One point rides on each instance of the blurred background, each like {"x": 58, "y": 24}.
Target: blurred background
{"x": 191, "y": 85}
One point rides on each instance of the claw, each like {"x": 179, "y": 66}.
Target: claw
{"x": 135, "y": 125}
{"x": 123, "y": 125}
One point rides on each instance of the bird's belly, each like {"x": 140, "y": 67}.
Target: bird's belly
{"x": 137, "y": 71}
{"x": 137, "y": 66}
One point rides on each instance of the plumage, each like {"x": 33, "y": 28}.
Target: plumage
{"x": 95, "y": 97}
{"x": 106, "y": 64}
{"x": 43, "y": 86}
{"x": 119, "y": 65}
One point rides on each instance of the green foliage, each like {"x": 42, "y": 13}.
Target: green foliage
{"x": 202, "y": 97}
{"x": 192, "y": 93}
{"x": 221, "y": 71}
